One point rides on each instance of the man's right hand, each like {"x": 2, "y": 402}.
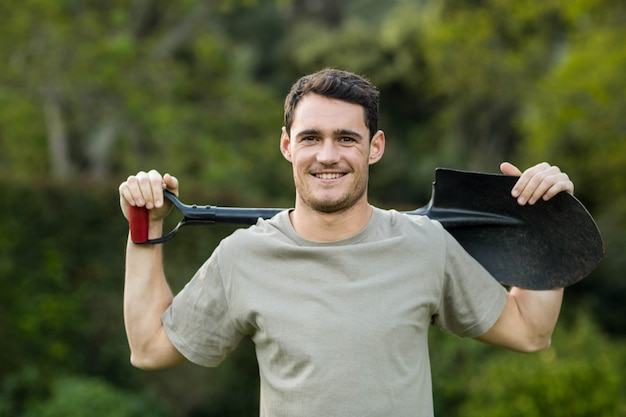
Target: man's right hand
{"x": 145, "y": 189}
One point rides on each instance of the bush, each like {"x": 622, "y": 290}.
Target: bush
{"x": 581, "y": 375}
{"x": 79, "y": 396}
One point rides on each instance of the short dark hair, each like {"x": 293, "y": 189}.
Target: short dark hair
{"x": 337, "y": 84}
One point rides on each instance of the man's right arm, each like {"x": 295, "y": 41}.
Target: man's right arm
{"x": 146, "y": 292}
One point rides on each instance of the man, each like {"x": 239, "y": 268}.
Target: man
{"x": 336, "y": 294}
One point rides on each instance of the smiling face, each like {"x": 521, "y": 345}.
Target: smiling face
{"x": 330, "y": 150}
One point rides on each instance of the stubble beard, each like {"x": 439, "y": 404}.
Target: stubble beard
{"x": 333, "y": 205}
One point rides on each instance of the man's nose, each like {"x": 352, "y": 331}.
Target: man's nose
{"x": 328, "y": 153}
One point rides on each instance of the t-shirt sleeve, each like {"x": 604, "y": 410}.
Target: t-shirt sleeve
{"x": 199, "y": 322}
{"x": 471, "y": 300}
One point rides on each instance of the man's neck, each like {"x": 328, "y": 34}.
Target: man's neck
{"x": 317, "y": 226}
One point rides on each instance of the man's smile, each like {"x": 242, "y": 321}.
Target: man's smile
{"x": 329, "y": 175}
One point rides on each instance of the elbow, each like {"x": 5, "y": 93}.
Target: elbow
{"x": 545, "y": 344}
{"x": 140, "y": 363}
{"x": 144, "y": 362}
{"x": 150, "y": 360}
{"x": 536, "y": 345}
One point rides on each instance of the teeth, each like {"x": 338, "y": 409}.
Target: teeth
{"x": 328, "y": 176}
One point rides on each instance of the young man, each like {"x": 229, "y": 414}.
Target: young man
{"x": 336, "y": 294}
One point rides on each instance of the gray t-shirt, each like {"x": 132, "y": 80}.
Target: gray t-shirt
{"x": 340, "y": 328}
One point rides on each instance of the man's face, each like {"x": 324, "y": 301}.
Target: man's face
{"x": 330, "y": 150}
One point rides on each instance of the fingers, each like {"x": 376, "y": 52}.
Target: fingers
{"x": 171, "y": 183}
{"x": 145, "y": 189}
{"x": 509, "y": 169}
{"x": 542, "y": 181}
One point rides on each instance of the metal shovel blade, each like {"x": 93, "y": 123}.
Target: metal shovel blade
{"x": 550, "y": 244}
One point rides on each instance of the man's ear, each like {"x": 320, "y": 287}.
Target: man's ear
{"x": 377, "y": 147}
{"x": 285, "y": 144}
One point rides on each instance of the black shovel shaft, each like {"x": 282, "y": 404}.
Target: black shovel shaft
{"x": 195, "y": 215}
{"x": 242, "y": 216}
{"x": 221, "y": 215}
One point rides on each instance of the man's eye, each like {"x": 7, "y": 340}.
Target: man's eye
{"x": 347, "y": 139}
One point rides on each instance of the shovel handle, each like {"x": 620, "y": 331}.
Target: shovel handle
{"x": 138, "y": 223}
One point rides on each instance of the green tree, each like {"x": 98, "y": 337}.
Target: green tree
{"x": 576, "y": 112}
{"x": 97, "y": 91}
{"x": 486, "y": 55}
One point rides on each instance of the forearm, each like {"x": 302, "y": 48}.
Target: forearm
{"x": 527, "y": 321}
{"x": 146, "y": 296}
{"x": 539, "y": 312}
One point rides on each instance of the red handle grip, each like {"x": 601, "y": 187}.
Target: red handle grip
{"x": 138, "y": 223}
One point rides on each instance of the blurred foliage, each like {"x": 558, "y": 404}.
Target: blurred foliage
{"x": 61, "y": 272}
{"x": 90, "y": 93}
{"x": 573, "y": 113}
{"x": 580, "y": 375}
{"x": 79, "y": 396}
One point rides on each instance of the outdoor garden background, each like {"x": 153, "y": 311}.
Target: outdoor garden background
{"x": 93, "y": 91}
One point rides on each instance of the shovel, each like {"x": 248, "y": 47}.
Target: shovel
{"x": 551, "y": 244}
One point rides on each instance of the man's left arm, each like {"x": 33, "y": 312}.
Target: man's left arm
{"x": 529, "y": 317}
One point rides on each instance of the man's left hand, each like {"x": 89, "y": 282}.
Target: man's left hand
{"x": 542, "y": 181}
